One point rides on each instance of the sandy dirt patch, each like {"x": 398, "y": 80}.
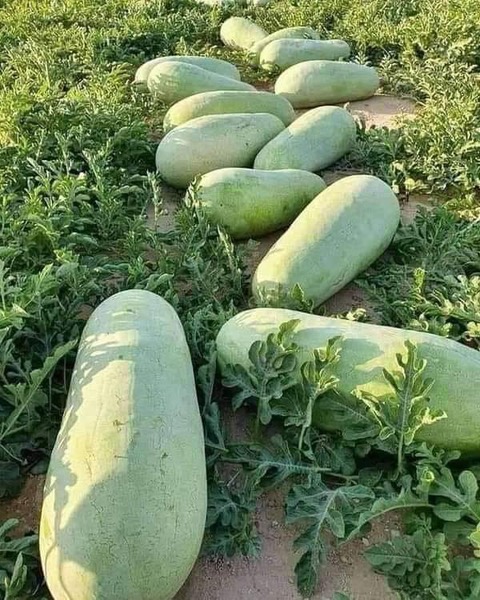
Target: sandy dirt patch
{"x": 162, "y": 218}
{"x": 383, "y": 111}
{"x": 378, "y": 111}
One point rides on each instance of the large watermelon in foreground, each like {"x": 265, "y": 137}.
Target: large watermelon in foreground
{"x": 125, "y": 497}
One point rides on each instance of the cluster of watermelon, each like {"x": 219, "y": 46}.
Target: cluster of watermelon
{"x": 126, "y": 496}
{"x": 257, "y": 163}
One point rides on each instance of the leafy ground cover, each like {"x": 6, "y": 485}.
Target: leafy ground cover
{"x": 77, "y": 143}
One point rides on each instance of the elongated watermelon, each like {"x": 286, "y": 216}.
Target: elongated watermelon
{"x": 312, "y": 142}
{"x": 365, "y": 351}
{"x": 319, "y": 82}
{"x": 284, "y": 53}
{"x": 172, "y": 81}
{"x": 252, "y": 203}
{"x": 213, "y": 142}
{"x": 227, "y": 102}
{"x": 216, "y": 65}
{"x": 338, "y": 235}
{"x": 125, "y": 497}
{"x": 303, "y": 33}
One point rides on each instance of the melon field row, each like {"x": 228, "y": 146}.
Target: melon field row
{"x": 199, "y": 387}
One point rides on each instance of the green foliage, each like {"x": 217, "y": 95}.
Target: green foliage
{"x": 316, "y": 380}
{"x": 325, "y": 510}
{"x": 25, "y": 400}
{"x": 405, "y": 499}
{"x": 400, "y": 415}
{"x": 463, "y": 582}
{"x": 230, "y": 528}
{"x": 414, "y": 564}
{"x": 332, "y": 453}
{"x": 390, "y": 423}
{"x": 19, "y": 571}
{"x": 456, "y": 497}
{"x": 428, "y": 280}
{"x": 420, "y": 565}
{"x": 297, "y": 403}
{"x": 271, "y": 465}
{"x": 273, "y": 363}
{"x": 293, "y": 299}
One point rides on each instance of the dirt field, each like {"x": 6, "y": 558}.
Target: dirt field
{"x": 271, "y": 576}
